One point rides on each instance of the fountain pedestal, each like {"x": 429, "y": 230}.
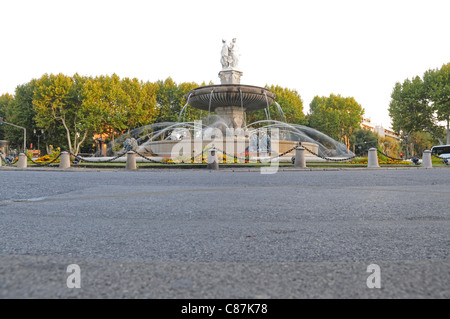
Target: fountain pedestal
{"x": 230, "y": 76}
{"x": 232, "y": 116}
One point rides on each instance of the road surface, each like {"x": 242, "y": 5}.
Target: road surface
{"x": 224, "y": 234}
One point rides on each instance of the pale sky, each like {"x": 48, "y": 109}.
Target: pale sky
{"x": 353, "y": 48}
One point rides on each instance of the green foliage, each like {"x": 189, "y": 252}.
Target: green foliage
{"x": 85, "y": 106}
{"x": 170, "y": 101}
{"x": 362, "y": 140}
{"x": 336, "y": 116}
{"x": 390, "y": 146}
{"x": 19, "y": 110}
{"x": 106, "y": 100}
{"x": 438, "y": 84}
{"x": 74, "y": 110}
{"x": 420, "y": 104}
{"x": 57, "y": 101}
{"x": 6, "y": 104}
{"x": 291, "y": 107}
{"x": 409, "y": 108}
{"x": 421, "y": 141}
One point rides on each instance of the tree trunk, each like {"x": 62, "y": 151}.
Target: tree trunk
{"x": 435, "y": 136}
{"x": 78, "y": 145}
{"x": 406, "y": 146}
{"x": 448, "y": 132}
{"x": 69, "y": 140}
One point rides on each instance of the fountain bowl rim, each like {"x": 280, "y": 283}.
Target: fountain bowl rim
{"x": 232, "y": 85}
{"x": 231, "y": 89}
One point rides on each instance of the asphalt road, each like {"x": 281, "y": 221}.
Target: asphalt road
{"x": 223, "y": 234}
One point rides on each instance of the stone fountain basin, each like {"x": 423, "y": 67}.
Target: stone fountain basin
{"x": 164, "y": 148}
{"x": 249, "y": 97}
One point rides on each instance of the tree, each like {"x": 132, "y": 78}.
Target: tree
{"x": 289, "y": 108}
{"x": 323, "y": 117}
{"x": 336, "y": 116}
{"x": 119, "y": 105}
{"x": 141, "y": 108}
{"x": 190, "y": 114}
{"x": 147, "y": 104}
{"x": 58, "y": 101}
{"x": 291, "y": 104}
{"x": 390, "y": 146}
{"x": 6, "y": 101}
{"x": 410, "y": 108}
{"x": 420, "y": 141}
{"x": 362, "y": 140}
{"x": 107, "y": 101}
{"x": 438, "y": 83}
{"x": 19, "y": 111}
{"x": 422, "y": 104}
{"x": 170, "y": 101}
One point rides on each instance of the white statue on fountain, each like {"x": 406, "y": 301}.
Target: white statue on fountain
{"x": 230, "y": 61}
{"x": 225, "y": 55}
{"x": 230, "y": 55}
{"x": 234, "y": 54}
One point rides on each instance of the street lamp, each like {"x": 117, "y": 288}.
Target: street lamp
{"x": 406, "y": 144}
{"x": 38, "y": 136}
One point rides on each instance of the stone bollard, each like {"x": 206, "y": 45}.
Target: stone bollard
{"x": 131, "y": 161}
{"x": 213, "y": 162}
{"x": 300, "y": 160}
{"x": 65, "y": 160}
{"x": 22, "y": 163}
{"x": 426, "y": 159}
{"x": 372, "y": 160}
{"x": 1, "y": 161}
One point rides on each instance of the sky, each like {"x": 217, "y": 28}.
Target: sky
{"x": 353, "y": 48}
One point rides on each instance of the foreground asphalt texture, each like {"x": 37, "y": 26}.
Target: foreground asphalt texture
{"x": 223, "y": 234}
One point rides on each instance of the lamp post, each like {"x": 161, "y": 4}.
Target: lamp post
{"x": 406, "y": 144}
{"x": 38, "y": 136}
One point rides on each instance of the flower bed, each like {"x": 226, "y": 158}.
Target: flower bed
{"x": 381, "y": 161}
{"x": 49, "y": 158}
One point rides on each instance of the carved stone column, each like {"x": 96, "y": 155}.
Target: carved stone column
{"x": 230, "y": 76}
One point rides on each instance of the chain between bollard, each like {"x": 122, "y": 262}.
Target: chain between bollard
{"x": 8, "y": 162}
{"x": 287, "y": 152}
{"x": 441, "y": 158}
{"x": 82, "y": 159}
{"x": 444, "y": 160}
{"x": 44, "y": 164}
{"x": 149, "y": 159}
{"x": 245, "y": 158}
{"x": 192, "y": 158}
{"x": 327, "y": 158}
{"x": 282, "y": 154}
{"x": 401, "y": 159}
{"x": 392, "y": 158}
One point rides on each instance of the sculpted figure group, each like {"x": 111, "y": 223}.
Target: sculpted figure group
{"x": 230, "y": 55}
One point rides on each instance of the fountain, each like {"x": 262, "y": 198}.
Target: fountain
{"x": 229, "y": 101}
{"x": 225, "y": 126}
